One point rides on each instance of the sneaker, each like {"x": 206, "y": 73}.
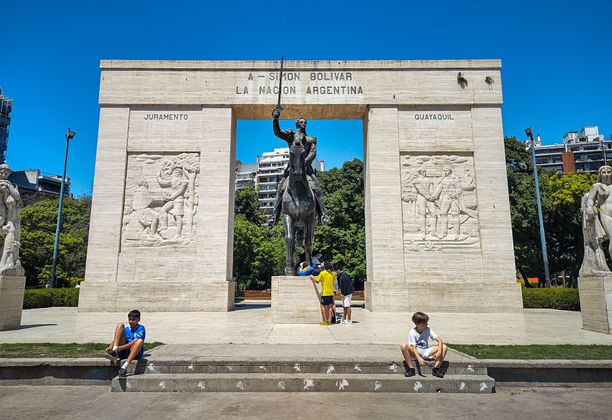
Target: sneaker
{"x": 111, "y": 355}
{"x": 410, "y": 372}
{"x": 437, "y": 373}
{"x": 122, "y": 373}
{"x": 323, "y": 323}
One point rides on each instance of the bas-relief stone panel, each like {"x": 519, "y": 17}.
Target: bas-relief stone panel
{"x": 439, "y": 203}
{"x": 161, "y": 200}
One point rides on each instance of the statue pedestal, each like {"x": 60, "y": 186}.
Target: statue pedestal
{"x": 295, "y": 300}
{"x": 596, "y": 302}
{"x": 11, "y": 301}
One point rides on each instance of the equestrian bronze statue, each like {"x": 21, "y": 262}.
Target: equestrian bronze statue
{"x": 299, "y": 197}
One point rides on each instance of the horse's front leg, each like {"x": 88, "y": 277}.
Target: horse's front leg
{"x": 290, "y": 242}
{"x": 309, "y": 227}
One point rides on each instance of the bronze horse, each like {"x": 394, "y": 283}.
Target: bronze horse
{"x": 298, "y": 206}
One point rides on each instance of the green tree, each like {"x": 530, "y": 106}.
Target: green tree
{"x": 257, "y": 255}
{"x": 561, "y": 195}
{"x": 523, "y": 211}
{"x": 561, "y": 200}
{"x": 343, "y": 191}
{"x": 38, "y": 222}
{"x": 246, "y": 203}
{"x": 343, "y": 240}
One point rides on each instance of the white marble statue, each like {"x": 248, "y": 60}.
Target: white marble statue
{"x": 597, "y": 223}
{"x": 10, "y": 230}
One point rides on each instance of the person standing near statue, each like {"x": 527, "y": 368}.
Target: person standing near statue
{"x": 310, "y": 144}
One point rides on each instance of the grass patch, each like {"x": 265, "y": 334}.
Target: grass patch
{"x": 30, "y": 350}
{"x": 537, "y": 351}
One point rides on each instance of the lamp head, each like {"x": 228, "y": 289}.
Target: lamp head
{"x": 70, "y": 134}
{"x": 528, "y": 132}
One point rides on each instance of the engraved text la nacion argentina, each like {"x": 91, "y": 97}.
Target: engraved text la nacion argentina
{"x": 320, "y": 83}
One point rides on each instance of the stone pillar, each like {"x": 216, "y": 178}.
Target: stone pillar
{"x": 149, "y": 271}
{"x": 596, "y": 302}
{"x": 445, "y": 265}
{"x": 11, "y": 301}
{"x": 385, "y": 287}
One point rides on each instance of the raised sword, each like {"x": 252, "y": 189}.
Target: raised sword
{"x": 280, "y": 85}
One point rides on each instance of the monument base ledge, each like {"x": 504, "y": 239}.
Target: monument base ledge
{"x": 596, "y": 302}
{"x": 157, "y": 296}
{"x": 389, "y": 296}
{"x": 295, "y": 300}
{"x": 11, "y": 301}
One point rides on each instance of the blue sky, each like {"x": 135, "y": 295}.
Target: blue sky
{"x": 556, "y": 57}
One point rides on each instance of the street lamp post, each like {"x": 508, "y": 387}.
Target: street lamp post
{"x": 52, "y": 281}
{"x": 531, "y": 146}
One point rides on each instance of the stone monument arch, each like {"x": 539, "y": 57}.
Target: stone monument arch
{"x": 438, "y": 232}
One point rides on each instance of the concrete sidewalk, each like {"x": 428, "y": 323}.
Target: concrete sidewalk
{"x": 252, "y": 324}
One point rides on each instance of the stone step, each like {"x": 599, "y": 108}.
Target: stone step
{"x": 196, "y": 366}
{"x": 301, "y": 382}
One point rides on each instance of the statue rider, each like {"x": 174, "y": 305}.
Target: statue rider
{"x": 310, "y": 144}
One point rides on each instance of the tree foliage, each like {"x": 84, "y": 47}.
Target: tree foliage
{"x": 257, "y": 255}
{"x": 38, "y": 223}
{"x": 246, "y": 204}
{"x": 343, "y": 241}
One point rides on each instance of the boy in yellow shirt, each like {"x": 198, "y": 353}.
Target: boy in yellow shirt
{"x": 326, "y": 278}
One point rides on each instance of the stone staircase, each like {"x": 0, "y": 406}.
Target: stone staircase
{"x": 191, "y": 375}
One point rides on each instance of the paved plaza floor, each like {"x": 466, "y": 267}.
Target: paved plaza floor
{"x": 67, "y": 402}
{"x": 252, "y": 324}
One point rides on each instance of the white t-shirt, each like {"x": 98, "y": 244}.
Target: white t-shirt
{"x": 421, "y": 340}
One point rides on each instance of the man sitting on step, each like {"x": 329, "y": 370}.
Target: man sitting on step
{"x": 418, "y": 347}
{"x": 128, "y": 342}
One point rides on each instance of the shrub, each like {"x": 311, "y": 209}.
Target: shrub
{"x": 45, "y": 298}
{"x": 552, "y": 298}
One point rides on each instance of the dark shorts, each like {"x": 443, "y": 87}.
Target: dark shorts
{"x": 327, "y": 300}
{"x": 123, "y": 354}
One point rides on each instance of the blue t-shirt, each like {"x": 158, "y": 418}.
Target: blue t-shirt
{"x": 135, "y": 334}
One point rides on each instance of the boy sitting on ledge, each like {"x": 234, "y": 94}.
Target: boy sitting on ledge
{"x": 128, "y": 342}
{"x": 418, "y": 347}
